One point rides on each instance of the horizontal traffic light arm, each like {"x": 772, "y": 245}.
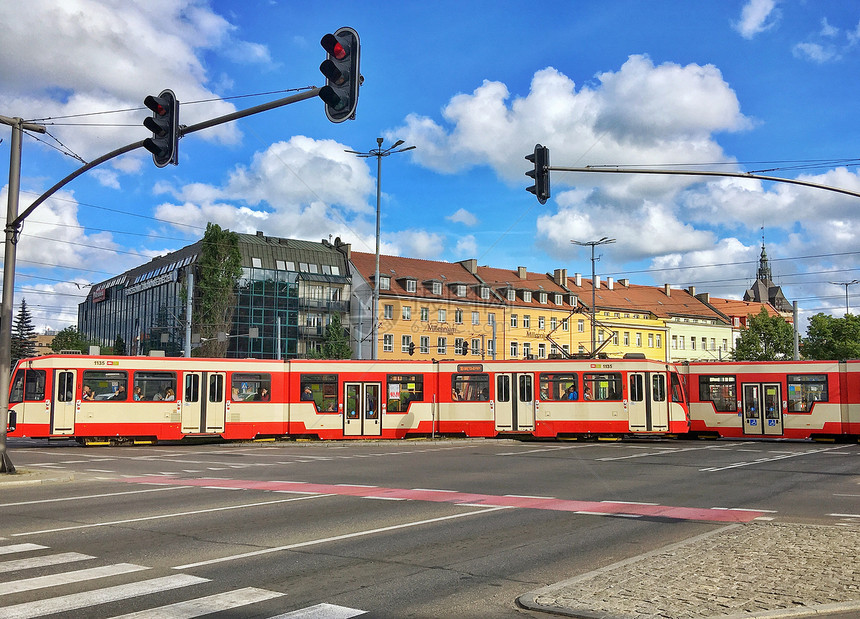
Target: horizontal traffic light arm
{"x": 777, "y": 179}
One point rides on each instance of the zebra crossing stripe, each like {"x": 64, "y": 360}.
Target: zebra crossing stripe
{"x": 205, "y": 605}
{"x": 86, "y": 599}
{"x": 65, "y": 578}
{"x": 43, "y": 561}
{"x": 12, "y": 548}
{"x": 322, "y": 611}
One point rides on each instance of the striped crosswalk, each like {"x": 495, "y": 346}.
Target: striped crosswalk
{"x": 22, "y": 559}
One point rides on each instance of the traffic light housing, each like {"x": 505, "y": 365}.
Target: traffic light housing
{"x": 540, "y": 174}
{"x": 464, "y": 348}
{"x": 342, "y": 74}
{"x": 164, "y": 124}
{"x": 411, "y": 348}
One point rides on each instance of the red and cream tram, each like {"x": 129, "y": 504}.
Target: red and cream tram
{"x": 119, "y": 399}
{"x": 782, "y": 399}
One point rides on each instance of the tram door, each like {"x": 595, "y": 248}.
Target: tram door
{"x": 63, "y": 409}
{"x": 515, "y": 402}
{"x": 762, "y": 408}
{"x": 204, "y": 405}
{"x": 363, "y": 415}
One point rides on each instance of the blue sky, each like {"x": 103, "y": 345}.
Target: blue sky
{"x": 736, "y": 85}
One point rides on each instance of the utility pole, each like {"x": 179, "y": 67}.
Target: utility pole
{"x": 846, "y": 284}
{"x": 593, "y": 244}
{"x": 13, "y": 228}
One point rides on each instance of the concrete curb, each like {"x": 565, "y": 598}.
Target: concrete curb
{"x": 29, "y": 477}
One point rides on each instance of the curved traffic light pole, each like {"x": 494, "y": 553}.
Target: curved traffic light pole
{"x": 13, "y": 229}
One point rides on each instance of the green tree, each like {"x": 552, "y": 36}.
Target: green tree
{"x": 119, "y": 345}
{"x": 766, "y": 338}
{"x": 335, "y": 342}
{"x": 218, "y": 269}
{"x": 23, "y": 343}
{"x": 832, "y": 338}
{"x": 71, "y": 339}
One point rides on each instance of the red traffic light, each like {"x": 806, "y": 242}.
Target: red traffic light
{"x": 333, "y": 46}
{"x": 342, "y": 74}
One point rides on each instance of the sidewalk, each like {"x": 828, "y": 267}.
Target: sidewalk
{"x": 31, "y": 477}
{"x": 753, "y": 570}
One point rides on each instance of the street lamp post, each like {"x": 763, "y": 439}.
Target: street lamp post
{"x": 379, "y": 153}
{"x": 846, "y": 284}
{"x": 592, "y": 245}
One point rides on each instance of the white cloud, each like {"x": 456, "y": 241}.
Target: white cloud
{"x": 462, "y": 216}
{"x": 757, "y": 16}
{"x": 816, "y": 52}
{"x": 420, "y": 244}
{"x": 466, "y": 246}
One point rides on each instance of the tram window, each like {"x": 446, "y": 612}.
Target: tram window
{"x": 251, "y": 387}
{"x": 216, "y": 387}
{"x": 65, "y": 387}
{"x": 503, "y": 388}
{"x": 658, "y": 384}
{"x": 526, "y": 390}
{"x": 154, "y": 386}
{"x": 470, "y": 387}
{"x": 403, "y": 389}
{"x": 804, "y": 390}
{"x": 637, "y": 388}
{"x": 192, "y": 387}
{"x": 561, "y": 386}
{"x": 107, "y": 385}
{"x": 677, "y": 392}
{"x": 605, "y": 386}
{"x": 721, "y": 390}
{"x": 321, "y": 389}
{"x": 28, "y": 385}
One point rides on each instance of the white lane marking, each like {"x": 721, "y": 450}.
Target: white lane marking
{"x": 845, "y": 515}
{"x": 6, "y": 550}
{"x": 91, "y": 496}
{"x": 175, "y": 515}
{"x": 86, "y": 599}
{"x": 773, "y": 459}
{"x": 57, "y": 559}
{"x": 322, "y": 611}
{"x": 336, "y": 538}
{"x": 205, "y": 605}
{"x": 65, "y": 578}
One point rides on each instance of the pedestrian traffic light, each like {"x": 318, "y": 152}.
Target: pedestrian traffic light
{"x": 164, "y": 124}
{"x": 541, "y": 173}
{"x": 342, "y": 75}
{"x": 411, "y": 348}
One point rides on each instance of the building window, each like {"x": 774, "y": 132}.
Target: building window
{"x": 460, "y": 290}
{"x": 565, "y": 325}
{"x": 491, "y": 347}
{"x": 485, "y": 292}
{"x": 442, "y": 345}
{"x": 527, "y": 350}
{"x": 388, "y": 343}
{"x": 658, "y": 340}
{"x": 557, "y": 299}
{"x": 476, "y": 318}
{"x": 256, "y": 263}
{"x": 674, "y": 342}
{"x": 437, "y": 287}
{"x": 527, "y": 321}
{"x": 541, "y": 351}
{"x": 513, "y": 320}
{"x": 627, "y": 338}
{"x": 514, "y": 350}
{"x": 580, "y": 325}
{"x": 411, "y": 285}
{"x": 639, "y": 340}
{"x": 713, "y": 344}
{"x": 476, "y": 346}
{"x": 407, "y": 312}
{"x": 553, "y": 323}
{"x": 425, "y": 314}
{"x": 384, "y": 282}
{"x": 405, "y": 341}
{"x": 389, "y": 311}
{"x": 541, "y": 323}
{"x": 527, "y": 296}
{"x": 650, "y": 340}
{"x": 443, "y": 316}
{"x": 692, "y": 343}
{"x": 425, "y": 345}
{"x": 280, "y": 265}
{"x": 542, "y": 297}
{"x": 491, "y": 318}
{"x": 458, "y": 316}
{"x": 512, "y": 294}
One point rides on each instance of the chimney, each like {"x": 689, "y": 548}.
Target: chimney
{"x": 667, "y": 290}
{"x": 559, "y": 276}
{"x": 260, "y": 233}
{"x": 470, "y": 265}
{"x": 610, "y": 283}
{"x": 577, "y": 278}
{"x": 521, "y": 272}
{"x": 692, "y": 291}
{"x": 624, "y": 282}
{"x": 704, "y": 297}
{"x": 596, "y": 282}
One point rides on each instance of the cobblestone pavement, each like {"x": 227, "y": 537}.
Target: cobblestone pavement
{"x": 760, "y": 569}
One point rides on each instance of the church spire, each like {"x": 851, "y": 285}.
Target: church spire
{"x": 763, "y": 273}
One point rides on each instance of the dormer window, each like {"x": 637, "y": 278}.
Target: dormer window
{"x": 527, "y": 296}
{"x": 460, "y": 290}
{"x": 384, "y": 282}
{"x": 411, "y": 285}
{"x": 512, "y": 294}
{"x": 437, "y": 287}
{"x": 542, "y": 297}
{"x": 485, "y": 292}
{"x": 557, "y": 300}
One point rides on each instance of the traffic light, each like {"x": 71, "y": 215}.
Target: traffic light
{"x": 341, "y": 70}
{"x": 541, "y": 173}
{"x": 164, "y": 124}
{"x": 464, "y": 348}
{"x": 411, "y": 348}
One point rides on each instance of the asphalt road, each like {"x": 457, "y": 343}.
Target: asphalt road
{"x": 383, "y": 529}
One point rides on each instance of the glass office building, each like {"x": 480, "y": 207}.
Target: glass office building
{"x": 288, "y": 291}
